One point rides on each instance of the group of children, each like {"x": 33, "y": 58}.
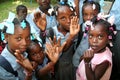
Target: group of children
{"x": 51, "y": 44}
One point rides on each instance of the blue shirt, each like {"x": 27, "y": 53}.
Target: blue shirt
{"x": 83, "y": 46}
{"x": 51, "y": 21}
{"x": 4, "y": 75}
{"x": 116, "y": 12}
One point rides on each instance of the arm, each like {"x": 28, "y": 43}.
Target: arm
{"x": 99, "y": 70}
{"x": 25, "y": 63}
{"x": 40, "y": 21}
{"x": 45, "y": 70}
{"x": 74, "y": 29}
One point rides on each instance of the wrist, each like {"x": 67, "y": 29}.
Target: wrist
{"x": 28, "y": 74}
{"x": 88, "y": 64}
{"x": 44, "y": 33}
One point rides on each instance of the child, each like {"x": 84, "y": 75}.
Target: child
{"x": 37, "y": 55}
{"x": 67, "y": 29}
{"x": 89, "y": 10}
{"x": 44, "y": 7}
{"x": 18, "y": 38}
{"x": 96, "y": 62}
{"x": 43, "y": 67}
{"x": 21, "y": 11}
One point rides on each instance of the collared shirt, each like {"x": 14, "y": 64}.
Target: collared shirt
{"x": 51, "y": 20}
{"x": 4, "y": 75}
{"x": 83, "y": 46}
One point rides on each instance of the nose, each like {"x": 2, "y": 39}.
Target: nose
{"x": 68, "y": 20}
{"x": 89, "y": 17}
{"x": 24, "y": 42}
{"x": 95, "y": 40}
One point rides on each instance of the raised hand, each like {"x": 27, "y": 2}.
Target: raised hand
{"x": 88, "y": 55}
{"x": 40, "y": 20}
{"x": 74, "y": 26}
{"x": 24, "y": 62}
{"x": 53, "y": 50}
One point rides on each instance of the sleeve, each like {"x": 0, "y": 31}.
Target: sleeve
{"x": 4, "y": 75}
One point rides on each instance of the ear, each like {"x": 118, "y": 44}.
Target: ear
{"x": 6, "y": 37}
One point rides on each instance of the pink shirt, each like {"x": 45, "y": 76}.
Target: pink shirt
{"x": 96, "y": 60}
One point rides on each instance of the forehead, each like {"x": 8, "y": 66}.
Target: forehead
{"x": 98, "y": 28}
{"x": 64, "y": 10}
{"x": 20, "y": 30}
{"x": 88, "y": 8}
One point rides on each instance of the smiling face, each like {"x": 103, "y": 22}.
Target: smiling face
{"x": 64, "y": 17}
{"x": 98, "y": 38}
{"x": 36, "y": 53}
{"x": 19, "y": 40}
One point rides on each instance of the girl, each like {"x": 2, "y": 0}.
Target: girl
{"x": 42, "y": 66}
{"x": 18, "y": 38}
{"x": 89, "y": 10}
{"x": 67, "y": 29}
{"x": 96, "y": 62}
{"x": 40, "y": 61}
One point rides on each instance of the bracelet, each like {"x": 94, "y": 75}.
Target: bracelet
{"x": 44, "y": 33}
{"x": 89, "y": 64}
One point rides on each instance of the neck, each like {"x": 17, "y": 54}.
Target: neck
{"x": 44, "y": 10}
{"x": 63, "y": 31}
{"x": 102, "y": 50}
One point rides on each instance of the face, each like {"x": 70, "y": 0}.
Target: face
{"x": 98, "y": 38}
{"x": 88, "y": 13}
{"x": 64, "y": 17}
{"x": 37, "y": 54}
{"x": 45, "y": 4}
{"x": 20, "y": 40}
{"x": 22, "y": 14}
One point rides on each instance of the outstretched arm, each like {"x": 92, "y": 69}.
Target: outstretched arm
{"x": 74, "y": 29}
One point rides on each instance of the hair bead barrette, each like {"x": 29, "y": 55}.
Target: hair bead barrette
{"x": 23, "y": 24}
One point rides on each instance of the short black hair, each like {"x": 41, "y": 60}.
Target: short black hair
{"x": 20, "y": 7}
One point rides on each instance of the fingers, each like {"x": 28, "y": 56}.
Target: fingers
{"x": 18, "y": 55}
{"x": 37, "y": 15}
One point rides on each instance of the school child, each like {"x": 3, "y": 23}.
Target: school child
{"x": 89, "y": 9}
{"x": 67, "y": 29}
{"x": 46, "y": 8}
{"x": 96, "y": 62}
{"x": 42, "y": 66}
{"x": 116, "y": 48}
{"x": 21, "y": 12}
{"x": 14, "y": 64}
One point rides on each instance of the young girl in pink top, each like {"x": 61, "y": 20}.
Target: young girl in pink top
{"x": 96, "y": 62}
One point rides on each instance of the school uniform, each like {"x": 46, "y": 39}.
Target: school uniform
{"x": 64, "y": 67}
{"x": 5, "y": 75}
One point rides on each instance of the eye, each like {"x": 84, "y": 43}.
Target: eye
{"x": 90, "y": 36}
{"x": 28, "y": 38}
{"x": 100, "y": 36}
{"x": 63, "y": 18}
{"x": 19, "y": 39}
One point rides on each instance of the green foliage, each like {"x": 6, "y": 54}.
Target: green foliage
{"x": 7, "y": 6}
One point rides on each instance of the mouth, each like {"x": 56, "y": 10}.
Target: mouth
{"x": 94, "y": 47}
{"x": 23, "y": 49}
